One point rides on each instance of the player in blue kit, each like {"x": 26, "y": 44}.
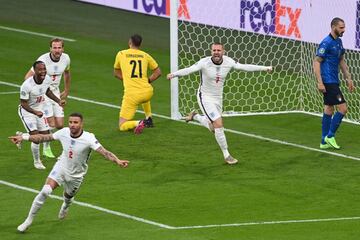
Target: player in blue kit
{"x": 329, "y": 56}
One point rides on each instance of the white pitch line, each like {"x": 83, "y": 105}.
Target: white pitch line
{"x": 227, "y": 130}
{"x": 271, "y": 222}
{"x": 292, "y": 144}
{"x": 36, "y": 33}
{"x": 124, "y": 215}
{"x": 5, "y": 93}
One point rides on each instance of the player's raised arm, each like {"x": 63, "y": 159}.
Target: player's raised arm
{"x": 37, "y": 138}
{"x": 185, "y": 71}
{"x": 252, "y": 68}
{"x": 112, "y": 157}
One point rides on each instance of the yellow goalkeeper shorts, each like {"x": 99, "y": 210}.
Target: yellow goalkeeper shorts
{"x": 131, "y": 101}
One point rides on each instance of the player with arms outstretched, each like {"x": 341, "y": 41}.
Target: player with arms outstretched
{"x": 71, "y": 167}
{"x": 214, "y": 70}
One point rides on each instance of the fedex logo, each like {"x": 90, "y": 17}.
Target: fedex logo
{"x": 268, "y": 17}
{"x": 161, "y": 7}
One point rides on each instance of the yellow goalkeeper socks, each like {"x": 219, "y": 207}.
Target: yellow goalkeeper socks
{"x": 147, "y": 109}
{"x": 128, "y": 125}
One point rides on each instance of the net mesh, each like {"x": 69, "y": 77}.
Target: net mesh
{"x": 291, "y": 87}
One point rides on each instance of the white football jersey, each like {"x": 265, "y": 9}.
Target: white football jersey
{"x": 34, "y": 93}
{"x": 55, "y": 69}
{"x": 76, "y": 151}
{"x": 213, "y": 75}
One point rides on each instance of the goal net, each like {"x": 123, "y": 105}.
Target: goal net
{"x": 291, "y": 87}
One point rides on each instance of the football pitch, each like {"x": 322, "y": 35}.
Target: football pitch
{"x": 177, "y": 186}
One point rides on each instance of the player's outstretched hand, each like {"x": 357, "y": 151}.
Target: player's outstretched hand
{"x": 16, "y": 139}
{"x": 122, "y": 163}
{"x": 270, "y": 69}
{"x": 170, "y": 76}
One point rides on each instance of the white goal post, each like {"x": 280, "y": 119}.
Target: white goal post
{"x": 261, "y": 35}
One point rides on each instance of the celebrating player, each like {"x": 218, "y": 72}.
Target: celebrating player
{"x": 57, "y": 64}
{"x": 32, "y": 98}
{"x": 214, "y": 70}
{"x": 72, "y": 166}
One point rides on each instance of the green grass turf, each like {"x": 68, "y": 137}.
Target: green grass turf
{"x": 176, "y": 176}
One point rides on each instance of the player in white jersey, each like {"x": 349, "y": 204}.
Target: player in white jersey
{"x": 214, "y": 70}
{"x": 71, "y": 168}
{"x": 32, "y": 98}
{"x": 57, "y": 64}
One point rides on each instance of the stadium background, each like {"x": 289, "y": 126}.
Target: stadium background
{"x": 176, "y": 176}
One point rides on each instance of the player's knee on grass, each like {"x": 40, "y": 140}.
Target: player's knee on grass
{"x": 127, "y": 125}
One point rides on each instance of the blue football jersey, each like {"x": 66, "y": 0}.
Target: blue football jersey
{"x": 330, "y": 50}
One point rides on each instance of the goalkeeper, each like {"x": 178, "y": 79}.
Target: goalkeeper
{"x": 213, "y": 70}
{"x": 131, "y": 67}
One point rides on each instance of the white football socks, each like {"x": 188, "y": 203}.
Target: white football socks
{"x": 35, "y": 151}
{"x": 221, "y": 140}
{"x": 38, "y": 202}
{"x": 203, "y": 121}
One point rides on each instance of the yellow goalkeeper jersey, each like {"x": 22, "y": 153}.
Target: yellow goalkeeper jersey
{"x": 134, "y": 65}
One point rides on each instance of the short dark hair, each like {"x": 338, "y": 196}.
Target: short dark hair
{"x": 56, "y": 40}
{"x": 136, "y": 40}
{"x": 335, "y": 21}
{"x": 217, "y": 43}
{"x": 37, "y": 62}
{"x": 76, "y": 114}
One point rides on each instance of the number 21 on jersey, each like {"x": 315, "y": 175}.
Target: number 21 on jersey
{"x": 135, "y": 65}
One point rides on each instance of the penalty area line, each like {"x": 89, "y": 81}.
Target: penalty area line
{"x": 227, "y": 130}
{"x": 6, "y": 93}
{"x": 196, "y": 226}
{"x": 36, "y": 33}
{"x": 88, "y": 205}
{"x": 161, "y": 225}
{"x": 272, "y": 222}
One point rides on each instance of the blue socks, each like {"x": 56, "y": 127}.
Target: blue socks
{"x": 330, "y": 125}
{"x": 335, "y": 123}
{"x": 326, "y": 122}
